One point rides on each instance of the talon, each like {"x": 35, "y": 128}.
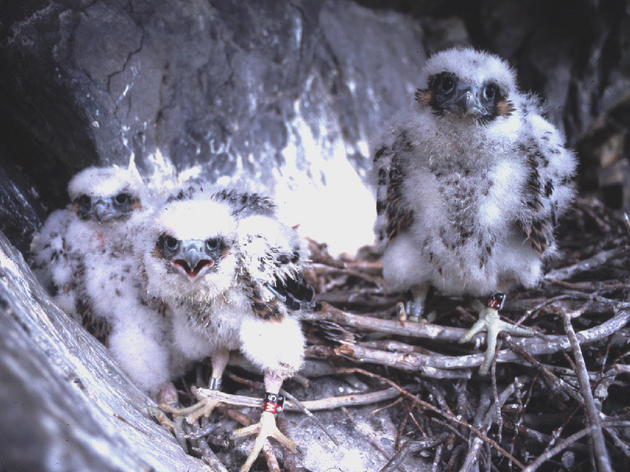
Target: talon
{"x": 158, "y": 415}
{"x": 413, "y": 308}
{"x": 401, "y": 312}
{"x": 265, "y": 428}
{"x": 204, "y": 407}
{"x": 490, "y": 322}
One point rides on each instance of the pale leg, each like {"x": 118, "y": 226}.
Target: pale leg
{"x": 413, "y": 308}
{"x": 490, "y": 322}
{"x": 266, "y": 427}
{"x": 204, "y": 406}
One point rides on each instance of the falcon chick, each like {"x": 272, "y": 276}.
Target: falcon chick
{"x": 469, "y": 186}
{"x": 83, "y": 254}
{"x": 102, "y": 199}
{"x": 52, "y": 260}
{"x": 228, "y": 272}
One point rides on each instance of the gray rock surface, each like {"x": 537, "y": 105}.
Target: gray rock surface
{"x": 66, "y": 405}
{"x": 285, "y": 96}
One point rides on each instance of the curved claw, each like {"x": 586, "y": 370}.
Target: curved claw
{"x": 490, "y": 322}
{"x": 265, "y": 428}
{"x": 175, "y": 426}
{"x": 412, "y": 311}
{"x": 203, "y": 407}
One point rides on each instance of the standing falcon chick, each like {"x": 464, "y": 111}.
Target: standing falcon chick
{"x": 469, "y": 186}
{"x": 222, "y": 279}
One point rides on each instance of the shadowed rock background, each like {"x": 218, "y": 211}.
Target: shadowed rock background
{"x": 286, "y": 96}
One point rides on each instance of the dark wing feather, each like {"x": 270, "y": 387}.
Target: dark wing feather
{"x": 245, "y": 203}
{"x": 295, "y": 292}
{"x": 262, "y": 305}
{"x": 537, "y": 223}
{"x": 393, "y": 214}
{"x": 549, "y": 188}
{"x": 270, "y": 268}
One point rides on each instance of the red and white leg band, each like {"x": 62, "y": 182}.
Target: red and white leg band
{"x": 273, "y": 403}
{"x": 496, "y": 301}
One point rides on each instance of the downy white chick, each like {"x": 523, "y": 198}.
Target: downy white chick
{"x": 221, "y": 268}
{"x": 469, "y": 187}
{"x": 53, "y": 262}
{"x": 84, "y": 255}
{"x": 101, "y": 202}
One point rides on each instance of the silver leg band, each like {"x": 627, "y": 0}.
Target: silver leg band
{"x": 215, "y": 383}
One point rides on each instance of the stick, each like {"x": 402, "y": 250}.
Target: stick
{"x": 434, "y": 365}
{"x": 592, "y": 414}
{"x": 585, "y": 265}
{"x": 491, "y": 415}
{"x": 270, "y": 457}
{"x": 432, "y": 408}
{"x": 330, "y": 403}
{"x": 412, "y": 446}
{"x": 370, "y": 323}
{"x": 562, "y": 445}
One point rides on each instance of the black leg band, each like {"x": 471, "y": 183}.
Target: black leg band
{"x": 273, "y": 403}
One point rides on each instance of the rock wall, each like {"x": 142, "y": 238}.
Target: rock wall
{"x": 66, "y": 405}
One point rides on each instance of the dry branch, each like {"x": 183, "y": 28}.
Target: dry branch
{"x": 592, "y": 413}
{"x": 330, "y": 403}
{"x": 437, "y": 365}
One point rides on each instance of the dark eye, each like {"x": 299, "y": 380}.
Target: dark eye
{"x": 212, "y": 243}
{"x": 171, "y": 242}
{"x": 84, "y": 202}
{"x": 122, "y": 199}
{"x": 168, "y": 242}
{"x": 490, "y": 91}
{"x": 445, "y": 84}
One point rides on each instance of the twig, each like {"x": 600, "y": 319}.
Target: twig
{"x": 537, "y": 436}
{"x": 432, "y": 408}
{"x": 592, "y": 286}
{"x": 270, "y": 457}
{"x": 208, "y": 456}
{"x": 437, "y": 458}
{"x": 599, "y": 443}
{"x": 372, "y": 439}
{"x": 435, "y": 365}
{"x": 555, "y": 383}
{"x": 623, "y": 447}
{"x": 412, "y": 446}
{"x": 491, "y": 415}
{"x": 370, "y": 323}
{"x": 585, "y": 265}
{"x": 377, "y": 281}
{"x": 430, "y": 365}
{"x": 330, "y": 403}
{"x": 308, "y": 413}
{"x": 562, "y": 445}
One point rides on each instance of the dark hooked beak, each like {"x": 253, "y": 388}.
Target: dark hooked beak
{"x": 468, "y": 101}
{"x": 103, "y": 210}
{"x": 192, "y": 259}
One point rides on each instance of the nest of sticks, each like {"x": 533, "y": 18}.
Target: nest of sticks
{"x": 554, "y": 401}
